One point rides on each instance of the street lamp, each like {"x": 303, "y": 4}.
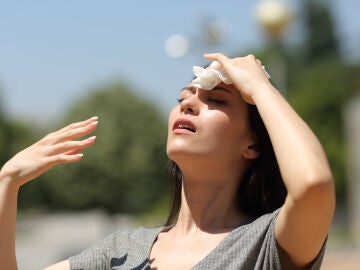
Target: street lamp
{"x": 274, "y": 16}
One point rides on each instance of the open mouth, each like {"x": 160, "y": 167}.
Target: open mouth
{"x": 183, "y": 124}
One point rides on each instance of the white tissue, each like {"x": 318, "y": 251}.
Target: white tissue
{"x": 266, "y": 73}
{"x": 207, "y": 79}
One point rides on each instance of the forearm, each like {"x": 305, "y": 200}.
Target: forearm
{"x": 8, "y": 207}
{"x": 301, "y": 158}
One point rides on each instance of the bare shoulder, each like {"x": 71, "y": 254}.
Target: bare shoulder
{"x": 64, "y": 265}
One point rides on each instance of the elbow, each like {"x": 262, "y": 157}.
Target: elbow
{"x": 319, "y": 180}
{"x": 320, "y": 188}
{"x": 315, "y": 187}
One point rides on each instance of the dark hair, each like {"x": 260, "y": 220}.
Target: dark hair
{"x": 260, "y": 191}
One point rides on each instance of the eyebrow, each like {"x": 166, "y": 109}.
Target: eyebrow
{"x": 193, "y": 89}
{"x": 190, "y": 88}
{"x": 222, "y": 89}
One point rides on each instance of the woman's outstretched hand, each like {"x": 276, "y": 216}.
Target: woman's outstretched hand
{"x": 55, "y": 148}
{"x": 246, "y": 74}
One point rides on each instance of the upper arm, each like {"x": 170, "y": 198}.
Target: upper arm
{"x": 302, "y": 225}
{"x": 64, "y": 265}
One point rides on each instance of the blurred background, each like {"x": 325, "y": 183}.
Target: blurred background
{"x": 126, "y": 61}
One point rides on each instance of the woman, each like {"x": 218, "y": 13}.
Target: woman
{"x": 214, "y": 223}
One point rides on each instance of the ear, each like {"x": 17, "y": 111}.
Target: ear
{"x": 251, "y": 152}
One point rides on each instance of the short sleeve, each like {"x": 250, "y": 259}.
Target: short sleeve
{"x": 128, "y": 249}
{"x": 93, "y": 258}
{"x": 286, "y": 264}
{"x": 316, "y": 263}
{"x": 270, "y": 255}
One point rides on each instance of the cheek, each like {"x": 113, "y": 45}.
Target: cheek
{"x": 217, "y": 131}
{"x": 216, "y": 123}
{"x": 224, "y": 129}
{"x": 172, "y": 117}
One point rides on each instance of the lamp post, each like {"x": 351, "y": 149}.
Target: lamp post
{"x": 352, "y": 124}
{"x": 274, "y": 16}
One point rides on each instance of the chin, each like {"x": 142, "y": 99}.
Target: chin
{"x": 190, "y": 154}
{"x": 177, "y": 154}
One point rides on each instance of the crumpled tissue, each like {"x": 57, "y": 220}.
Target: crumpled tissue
{"x": 207, "y": 79}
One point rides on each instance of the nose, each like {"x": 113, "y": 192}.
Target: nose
{"x": 190, "y": 105}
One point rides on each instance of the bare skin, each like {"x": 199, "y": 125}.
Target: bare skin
{"x": 212, "y": 160}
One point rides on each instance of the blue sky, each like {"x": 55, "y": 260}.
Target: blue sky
{"x": 53, "y": 52}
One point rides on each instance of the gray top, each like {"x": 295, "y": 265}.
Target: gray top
{"x": 252, "y": 245}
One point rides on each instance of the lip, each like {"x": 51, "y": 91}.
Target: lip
{"x": 184, "y": 122}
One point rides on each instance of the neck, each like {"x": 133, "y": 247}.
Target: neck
{"x": 208, "y": 201}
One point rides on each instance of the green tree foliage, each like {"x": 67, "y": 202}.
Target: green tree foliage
{"x": 320, "y": 40}
{"x": 322, "y": 85}
{"x": 14, "y": 136}
{"x": 320, "y": 94}
{"x": 125, "y": 171}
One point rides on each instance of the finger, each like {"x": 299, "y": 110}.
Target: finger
{"x": 54, "y": 136}
{"x": 71, "y": 133}
{"x": 62, "y": 159}
{"x": 77, "y": 132}
{"x": 71, "y": 146}
{"x": 73, "y": 152}
{"x": 78, "y": 124}
{"x": 220, "y": 57}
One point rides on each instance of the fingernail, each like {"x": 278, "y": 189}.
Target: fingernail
{"x": 79, "y": 155}
{"x": 94, "y": 118}
{"x": 91, "y": 138}
{"x": 94, "y": 123}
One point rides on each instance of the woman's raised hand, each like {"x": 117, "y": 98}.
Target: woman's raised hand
{"x": 246, "y": 73}
{"x": 55, "y": 148}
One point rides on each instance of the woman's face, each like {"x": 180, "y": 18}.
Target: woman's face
{"x": 209, "y": 124}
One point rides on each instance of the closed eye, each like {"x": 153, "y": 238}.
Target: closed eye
{"x": 186, "y": 92}
{"x": 217, "y": 101}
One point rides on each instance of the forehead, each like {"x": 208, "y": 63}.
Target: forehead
{"x": 220, "y": 87}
